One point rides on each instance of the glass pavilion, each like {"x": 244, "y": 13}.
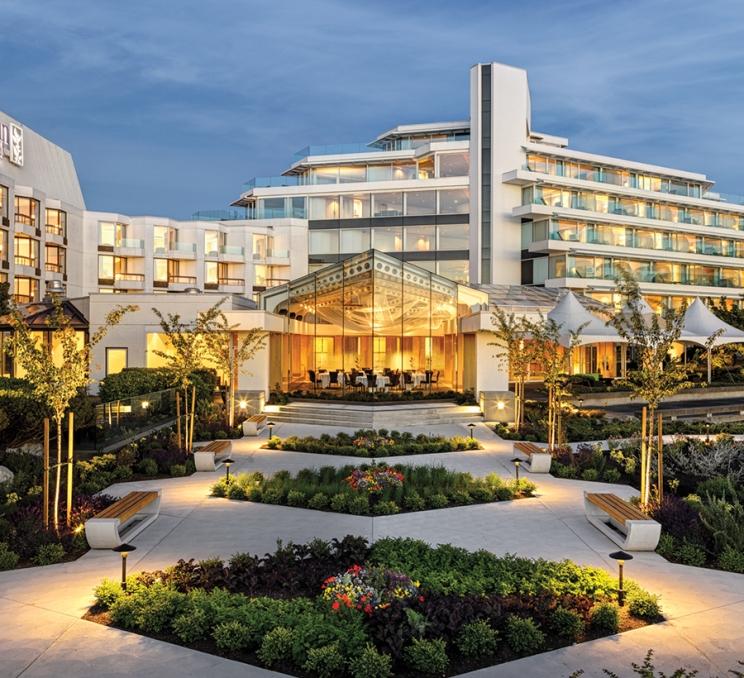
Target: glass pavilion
{"x": 370, "y": 321}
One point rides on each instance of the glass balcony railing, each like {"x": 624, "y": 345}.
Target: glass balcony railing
{"x": 269, "y": 254}
{"x": 271, "y": 182}
{"x": 393, "y": 145}
{"x": 232, "y": 249}
{"x": 183, "y": 247}
{"x": 235, "y": 214}
{"x": 131, "y": 243}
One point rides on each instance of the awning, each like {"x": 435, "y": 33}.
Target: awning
{"x": 571, "y": 315}
{"x": 701, "y": 323}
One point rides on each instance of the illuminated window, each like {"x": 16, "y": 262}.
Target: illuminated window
{"x": 116, "y": 360}
{"x": 323, "y": 352}
{"x": 24, "y": 290}
{"x": 56, "y": 222}
{"x": 26, "y": 211}
{"x": 111, "y": 234}
{"x": 212, "y": 242}
{"x": 3, "y": 201}
{"x": 26, "y": 251}
{"x": 160, "y": 270}
{"x": 211, "y": 273}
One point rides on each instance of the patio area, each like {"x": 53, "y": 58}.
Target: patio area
{"x": 43, "y": 633}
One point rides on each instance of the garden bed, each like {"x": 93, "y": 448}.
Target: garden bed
{"x": 396, "y": 608}
{"x": 371, "y": 443}
{"x": 372, "y": 397}
{"x": 371, "y": 489}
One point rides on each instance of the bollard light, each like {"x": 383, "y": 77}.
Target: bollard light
{"x": 580, "y": 401}
{"x": 124, "y": 550}
{"x": 621, "y": 557}
{"x": 228, "y": 461}
{"x": 517, "y": 463}
{"x": 145, "y": 404}
{"x": 270, "y": 425}
{"x": 471, "y": 426}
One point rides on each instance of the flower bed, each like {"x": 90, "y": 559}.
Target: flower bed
{"x": 371, "y": 443}
{"x": 371, "y": 490}
{"x": 353, "y": 396}
{"x": 426, "y": 611}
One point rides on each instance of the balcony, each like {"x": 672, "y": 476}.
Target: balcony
{"x": 232, "y": 282}
{"x": 55, "y": 229}
{"x": 178, "y": 250}
{"x": 21, "y": 260}
{"x": 25, "y": 219}
{"x": 130, "y": 244}
{"x": 232, "y": 253}
{"x": 236, "y": 214}
{"x": 54, "y": 268}
{"x": 271, "y": 254}
{"x": 129, "y": 281}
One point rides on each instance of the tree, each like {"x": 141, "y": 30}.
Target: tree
{"x": 511, "y": 335}
{"x": 658, "y": 374}
{"x": 227, "y": 352}
{"x": 57, "y": 369}
{"x": 555, "y": 360}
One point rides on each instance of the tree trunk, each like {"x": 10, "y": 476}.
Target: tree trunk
{"x": 231, "y": 381}
{"x": 649, "y": 454}
{"x": 70, "y": 452}
{"x": 58, "y": 477}
{"x": 45, "y": 489}
{"x": 660, "y": 462}
{"x": 178, "y": 420}
{"x": 193, "y": 418}
{"x": 186, "y": 418}
{"x": 643, "y": 455}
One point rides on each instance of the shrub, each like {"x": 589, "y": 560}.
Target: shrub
{"x": 526, "y": 487}
{"x": 276, "y": 646}
{"x": 690, "y": 554}
{"x": 385, "y": 508}
{"x": 724, "y": 520}
{"x": 523, "y": 635}
{"x": 413, "y": 501}
{"x": 178, "y": 470}
{"x": 562, "y": 470}
{"x": 295, "y": 498}
{"x": 324, "y": 662}
{"x": 644, "y": 605}
{"x": 730, "y": 560}
{"x": 339, "y": 502}
{"x": 318, "y": 501}
{"x": 482, "y": 494}
{"x": 194, "y": 626}
{"x": 48, "y": 554}
{"x": 477, "y": 639}
{"x": 438, "y": 500}
{"x": 371, "y": 663}
{"x": 505, "y": 492}
{"x": 611, "y": 475}
{"x": 148, "y": 467}
{"x": 591, "y": 474}
{"x": 719, "y": 486}
{"x": 107, "y": 593}
{"x": 667, "y": 546}
{"x": 149, "y": 609}
{"x": 8, "y": 559}
{"x": 273, "y": 495}
{"x": 566, "y": 623}
{"x": 235, "y": 491}
{"x": 358, "y": 504}
{"x": 231, "y": 636}
{"x": 605, "y": 617}
{"x": 427, "y": 656}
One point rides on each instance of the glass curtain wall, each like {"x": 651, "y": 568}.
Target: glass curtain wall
{"x": 370, "y": 322}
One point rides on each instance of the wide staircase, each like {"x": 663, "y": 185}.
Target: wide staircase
{"x": 389, "y": 416}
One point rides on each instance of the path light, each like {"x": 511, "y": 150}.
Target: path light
{"x": 228, "y": 462}
{"x": 242, "y": 404}
{"x": 517, "y": 463}
{"x": 471, "y": 426}
{"x": 709, "y": 416}
{"x": 621, "y": 557}
{"x": 125, "y": 550}
{"x": 581, "y": 402}
{"x": 145, "y": 404}
{"x": 270, "y": 425}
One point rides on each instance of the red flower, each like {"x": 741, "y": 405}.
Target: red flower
{"x": 421, "y": 599}
{"x": 368, "y": 608}
{"x": 335, "y": 605}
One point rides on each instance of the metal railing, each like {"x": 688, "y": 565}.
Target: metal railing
{"x": 22, "y": 260}
{"x": 55, "y": 229}
{"x": 26, "y": 219}
{"x": 232, "y": 281}
{"x": 181, "y": 280}
{"x": 131, "y": 277}
{"x": 54, "y": 268}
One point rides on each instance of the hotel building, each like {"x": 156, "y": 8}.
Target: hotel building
{"x": 384, "y": 255}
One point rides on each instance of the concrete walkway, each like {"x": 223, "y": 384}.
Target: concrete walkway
{"x": 41, "y": 632}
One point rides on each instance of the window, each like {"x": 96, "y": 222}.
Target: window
{"x": 454, "y": 201}
{"x": 355, "y": 206}
{"x": 54, "y": 259}
{"x": 25, "y": 290}
{"x": 56, "y": 222}
{"x": 26, "y": 251}
{"x": 326, "y": 207}
{"x": 421, "y": 203}
{"x": 387, "y": 239}
{"x": 164, "y": 238}
{"x": 352, "y": 174}
{"x": 419, "y": 239}
{"x": 26, "y": 211}
{"x": 160, "y": 270}
{"x": 211, "y": 275}
{"x": 110, "y": 267}
{"x": 323, "y": 352}
{"x": 325, "y": 175}
{"x": 403, "y": 171}
{"x": 111, "y": 234}
{"x": 3, "y": 201}
{"x": 454, "y": 164}
{"x": 454, "y": 236}
{"x": 457, "y": 270}
{"x": 323, "y": 242}
{"x": 3, "y": 246}
{"x": 426, "y": 168}
{"x": 379, "y": 173}
{"x": 116, "y": 360}
{"x": 271, "y": 208}
{"x": 212, "y": 242}
{"x": 354, "y": 240}
{"x": 388, "y": 205}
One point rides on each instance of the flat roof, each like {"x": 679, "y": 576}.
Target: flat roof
{"x": 422, "y": 128}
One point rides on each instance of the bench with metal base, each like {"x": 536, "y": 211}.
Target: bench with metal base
{"x": 538, "y": 458}
{"x": 622, "y": 522}
{"x": 254, "y": 424}
{"x": 209, "y": 457}
{"x": 123, "y": 520}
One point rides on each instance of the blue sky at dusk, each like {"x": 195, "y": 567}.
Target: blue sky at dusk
{"x": 167, "y": 107}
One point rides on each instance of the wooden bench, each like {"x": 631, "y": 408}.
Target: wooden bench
{"x": 209, "y": 457}
{"x": 253, "y": 425}
{"x": 538, "y": 458}
{"x": 622, "y": 522}
{"x": 123, "y": 520}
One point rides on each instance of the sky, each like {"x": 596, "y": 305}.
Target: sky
{"x": 169, "y": 106}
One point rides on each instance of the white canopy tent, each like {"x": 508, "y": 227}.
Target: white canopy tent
{"x": 700, "y": 323}
{"x": 571, "y": 315}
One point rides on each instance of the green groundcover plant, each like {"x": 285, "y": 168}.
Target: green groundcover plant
{"x": 374, "y": 443}
{"x": 375, "y": 489}
{"x": 346, "y": 608}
